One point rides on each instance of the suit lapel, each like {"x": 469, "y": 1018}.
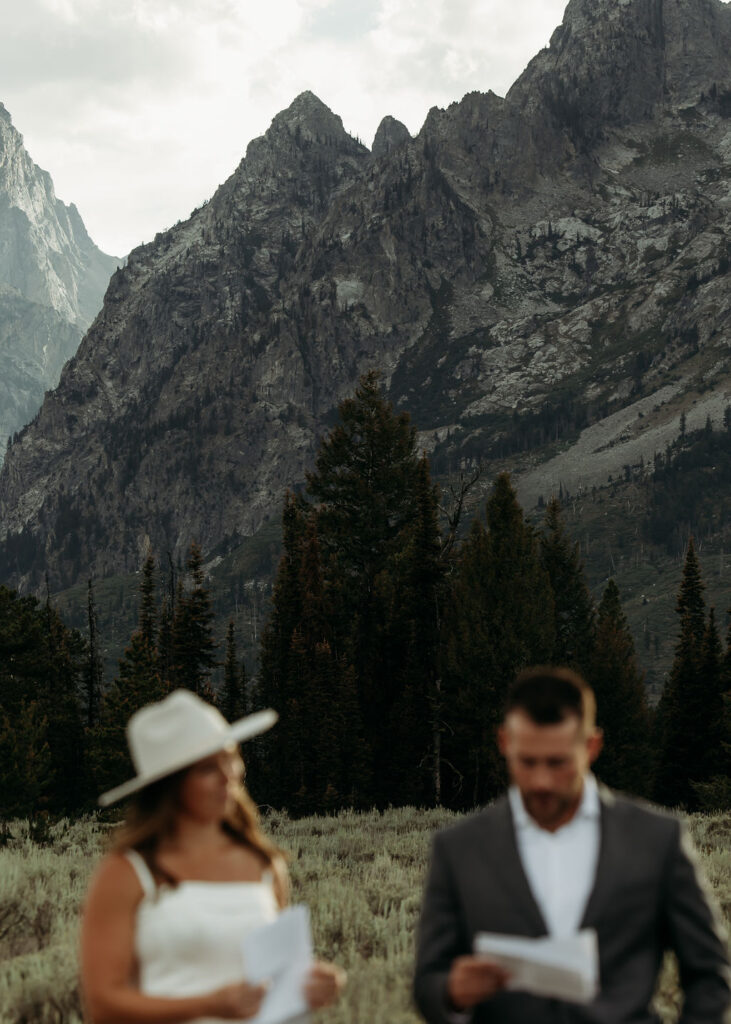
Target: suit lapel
{"x": 610, "y": 848}
{"x": 504, "y": 859}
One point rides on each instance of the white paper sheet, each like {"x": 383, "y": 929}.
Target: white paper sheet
{"x": 566, "y": 968}
{"x": 280, "y": 954}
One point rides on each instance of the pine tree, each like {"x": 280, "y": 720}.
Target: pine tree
{"x": 42, "y": 665}
{"x": 680, "y": 715}
{"x": 420, "y": 593}
{"x": 574, "y": 608}
{"x": 148, "y": 605}
{"x": 342, "y": 629}
{"x": 94, "y": 673}
{"x": 193, "y": 643}
{"x": 364, "y": 483}
{"x": 26, "y": 772}
{"x": 500, "y": 619}
{"x": 690, "y": 601}
{"x": 277, "y": 685}
{"x": 622, "y": 710}
{"x": 707, "y": 738}
{"x": 165, "y": 651}
{"x": 138, "y": 682}
{"x": 233, "y": 695}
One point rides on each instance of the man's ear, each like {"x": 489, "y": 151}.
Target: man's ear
{"x": 594, "y": 743}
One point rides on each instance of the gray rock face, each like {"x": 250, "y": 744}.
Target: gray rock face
{"x": 52, "y": 280}
{"x": 390, "y": 134}
{"x": 524, "y": 268}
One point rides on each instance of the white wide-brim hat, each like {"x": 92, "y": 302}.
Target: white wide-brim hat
{"x": 177, "y": 731}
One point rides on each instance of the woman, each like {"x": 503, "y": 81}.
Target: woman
{"x": 189, "y": 874}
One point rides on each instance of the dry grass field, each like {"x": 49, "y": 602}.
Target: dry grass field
{"x": 360, "y": 873}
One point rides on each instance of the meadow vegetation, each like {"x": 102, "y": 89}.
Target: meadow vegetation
{"x": 361, "y": 873}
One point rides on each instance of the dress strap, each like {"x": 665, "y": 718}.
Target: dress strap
{"x": 142, "y": 871}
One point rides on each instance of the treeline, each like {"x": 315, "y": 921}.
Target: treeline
{"x": 62, "y": 738}
{"x": 392, "y": 639}
{"x": 690, "y": 490}
{"x": 391, "y": 642}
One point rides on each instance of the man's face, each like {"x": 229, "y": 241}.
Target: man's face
{"x": 548, "y": 764}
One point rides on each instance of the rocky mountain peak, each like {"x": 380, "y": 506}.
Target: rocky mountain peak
{"x": 52, "y": 280}
{"x": 389, "y": 135}
{"x": 530, "y": 262}
{"x": 619, "y": 62}
{"x": 312, "y": 118}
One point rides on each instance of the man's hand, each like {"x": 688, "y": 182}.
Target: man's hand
{"x": 472, "y": 979}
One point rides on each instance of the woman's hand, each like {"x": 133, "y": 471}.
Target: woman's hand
{"x": 237, "y": 1002}
{"x": 324, "y": 984}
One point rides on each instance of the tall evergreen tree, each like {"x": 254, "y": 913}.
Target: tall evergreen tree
{"x": 65, "y": 654}
{"x": 707, "y": 734}
{"x": 193, "y": 643}
{"x": 417, "y": 615}
{"x": 622, "y": 710}
{"x": 94, "y": 672}
{"x": 345, "y": 611}
{"x": 42, "y": 665}
{"x": 165, "y": 650}
{"x": 148, "y": 603}
{"x": 277, "y": 684}
{"x": 138, "y": 682}
{"x": 680, "y": 715}
{"x": 501, "y": 618}
{"x": 26, "y": 771}
{"x": 574, "y": 608}
{"x": 233, "y": 696}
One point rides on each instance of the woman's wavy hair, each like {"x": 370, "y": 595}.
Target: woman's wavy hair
{"x": 151, "y": 814}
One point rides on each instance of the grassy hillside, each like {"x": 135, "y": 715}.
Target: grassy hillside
{"x": 361, "y": 874}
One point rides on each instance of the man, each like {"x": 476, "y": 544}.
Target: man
{"x": 558, "y": 854}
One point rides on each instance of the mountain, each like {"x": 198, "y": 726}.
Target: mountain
{"x": 52, "y": 281}
{"x": 542, "y": 279}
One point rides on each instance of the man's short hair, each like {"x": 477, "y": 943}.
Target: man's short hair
{"x": 549, "y": 695}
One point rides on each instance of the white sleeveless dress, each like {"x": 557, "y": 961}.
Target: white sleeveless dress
{"x": 188, "y": 939}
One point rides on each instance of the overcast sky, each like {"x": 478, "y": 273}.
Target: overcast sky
{"x": 139, "y": 109}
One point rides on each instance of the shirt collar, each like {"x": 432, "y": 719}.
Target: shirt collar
{"x": 588, "y": 808}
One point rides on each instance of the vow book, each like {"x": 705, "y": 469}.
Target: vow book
{"x": 565, "y": 968}
{"x": 280, "y": 955}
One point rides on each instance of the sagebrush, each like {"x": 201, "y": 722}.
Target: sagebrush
{"x": 361, "y": 874}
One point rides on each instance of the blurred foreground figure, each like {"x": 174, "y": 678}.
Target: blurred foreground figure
{"x": 190, "y": 874}
{"x": 559, "y": 854}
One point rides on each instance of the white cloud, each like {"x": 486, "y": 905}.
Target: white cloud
{"x": 140, "y": 109}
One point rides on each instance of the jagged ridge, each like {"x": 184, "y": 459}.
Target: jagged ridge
{"x": 524, "y": 266}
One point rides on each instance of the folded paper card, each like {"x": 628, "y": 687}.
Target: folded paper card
{"x": 565, "y": 968}
{"x": 280, "y": 954}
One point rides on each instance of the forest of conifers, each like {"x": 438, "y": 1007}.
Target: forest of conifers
{"x": 392, "y": 639}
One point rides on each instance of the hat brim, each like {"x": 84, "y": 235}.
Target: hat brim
{"x": 238, "y": 732}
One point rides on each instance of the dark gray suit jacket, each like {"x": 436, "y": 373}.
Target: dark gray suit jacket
{"x": 647, "y": 897}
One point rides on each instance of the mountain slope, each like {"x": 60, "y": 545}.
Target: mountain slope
{"x": 52, "y": 280}
{"x": 522, "y": 270}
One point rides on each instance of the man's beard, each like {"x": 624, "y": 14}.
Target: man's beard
{"x": 548, "y": 809}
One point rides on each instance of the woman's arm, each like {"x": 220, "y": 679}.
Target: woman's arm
{"x": 108, "y": 964}
{"x": 280, "y": 881}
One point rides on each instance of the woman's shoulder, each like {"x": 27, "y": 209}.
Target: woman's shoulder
{"x": 117, "y": 879}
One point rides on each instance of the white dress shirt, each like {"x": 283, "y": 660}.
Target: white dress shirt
{"x": 560, "y": 866}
